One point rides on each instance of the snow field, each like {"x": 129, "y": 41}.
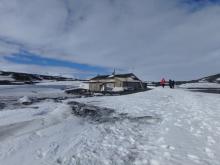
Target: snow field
{"x": 161, "y": 126}
{"x": 188, "y": 133}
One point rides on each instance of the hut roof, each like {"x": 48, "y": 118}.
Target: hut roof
{"x": 125, "y": 76}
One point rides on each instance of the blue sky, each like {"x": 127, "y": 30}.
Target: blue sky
{"x": 177, "y": 39}
{"x": 24, "y": 57}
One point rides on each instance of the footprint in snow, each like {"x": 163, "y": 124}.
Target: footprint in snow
{"x": 178, "y": 124}
{"x": 53, "y": 148}
{"x": 209, "y": 153}
{"x": 34, "y": 135}
{"x": 40, "y": 153}
{"x": 168, "y": 147}
{"x": 211, "y": 141}
{"x": 161, "y": 140}
{"x": 167, "y": 155}
{"x": 198, "y": 133}
{"x": 193, "y": 158}
{"x": 191, "y": 129}
{"x": 61, "y": 160}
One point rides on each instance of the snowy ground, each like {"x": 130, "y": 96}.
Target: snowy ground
{"x": 161, "y": 126}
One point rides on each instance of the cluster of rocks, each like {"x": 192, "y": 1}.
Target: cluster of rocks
{"x": 94, "y": 113}
{"x": 103, "y": 115}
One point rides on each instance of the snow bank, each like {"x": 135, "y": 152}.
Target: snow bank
{"x": 25, "y": 100}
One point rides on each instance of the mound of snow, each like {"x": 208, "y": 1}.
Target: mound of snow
{"x": 25, "y": 100}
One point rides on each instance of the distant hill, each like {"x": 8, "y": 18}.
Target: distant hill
{"x": 7, "y": 78}
{"x": 212, "y": 79}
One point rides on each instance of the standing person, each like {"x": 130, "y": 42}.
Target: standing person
{"x": 173, "y": 83}
{"x": 162, "y": 82}
{"x": 170, "y": 83}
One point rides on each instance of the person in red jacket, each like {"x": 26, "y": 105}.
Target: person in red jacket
{"x": 162, "y": 82}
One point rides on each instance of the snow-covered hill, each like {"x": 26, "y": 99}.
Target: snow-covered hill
{"x": 21, "y": 78}
{"x": 213, "y": 79}
{"x": 200, "y": 85}
{"x": 209, "y": 84}
{"x": 157, "y": 127}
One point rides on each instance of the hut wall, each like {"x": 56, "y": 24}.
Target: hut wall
{"x": 118, "y": 83}
{"x": 95, "y": 87}
{"x": 134, "y": 85}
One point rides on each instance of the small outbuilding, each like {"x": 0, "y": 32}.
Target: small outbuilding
{"x": 115, "y": 83}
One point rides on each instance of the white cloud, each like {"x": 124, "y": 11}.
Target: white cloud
{"x": 153, "y": 38}
{"x": 44, "y": 70}
{"x": 7, "y": 48}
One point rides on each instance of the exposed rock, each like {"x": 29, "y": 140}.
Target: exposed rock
{"x": 2, "y": 106}
{"x": 93, "y": 112}
{"x": 102, "y": 115}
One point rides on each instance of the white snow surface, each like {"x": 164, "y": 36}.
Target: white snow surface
{"x": 46, "y": 82}
{"x": 67, "y": 84}
{"x": 28, "y": 90}
{"x": 6, "y": 78}
{"x": 46, "y": 89}
{"x": 200, "y": 85}
{"x": 163, "y": 126}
